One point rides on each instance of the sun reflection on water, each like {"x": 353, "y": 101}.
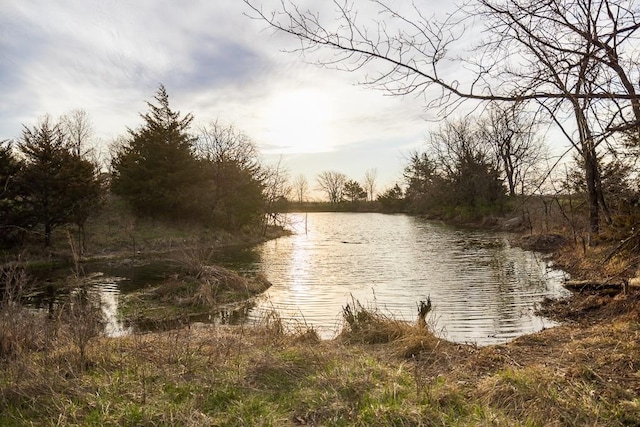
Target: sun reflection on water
{"x": 483, "y": 290}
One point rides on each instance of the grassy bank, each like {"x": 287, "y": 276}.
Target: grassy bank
{"x": 115, "y": 233}
{"x": 582, "y": 373}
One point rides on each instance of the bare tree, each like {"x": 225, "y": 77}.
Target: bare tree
{"x": 276, "y": 192}
{"x": 223, "y": 143}
{"x": 456, "y": 142}
{"x": 580, "y": 49}
{"x": 225, "y": 151}
{"x": 78, "y": 130}
{"x": 513, "y": 137}
{"x": 466, "y": 166}
{"x": 370, "y": 177}
{"x": 233, "y": 175}
{"x": 300, "y": 187}
{"x": 332, "y": 183}
{"x": 413, "y": 58}
{"x": 574, "y": 57}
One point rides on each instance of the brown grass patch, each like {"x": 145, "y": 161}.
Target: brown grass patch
{"x": 212, "y": 286}
{"x": 369, "y": 325}
{"x": 364, "y": 325}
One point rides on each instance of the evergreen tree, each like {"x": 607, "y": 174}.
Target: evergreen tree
{"x": 238, "y": 198}
{"x": 457, "y": 177}
{"x": 156, "y": 171}
{"x": 13, "y": 218}
{"x": 59, "y": 186}
{"x": 354, "y": 192}
{"x": 423, "y": 183}
{"x": 393, "y": 200}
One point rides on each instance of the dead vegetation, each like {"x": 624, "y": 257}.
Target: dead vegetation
{"x": 584, "y": 372}
{"x": 186, "y": 297}
{"x": 213, "y": 285}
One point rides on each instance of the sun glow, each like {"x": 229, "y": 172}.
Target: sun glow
{"x": 299, "y": 122}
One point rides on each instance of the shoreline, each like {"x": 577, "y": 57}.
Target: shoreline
{"x": 383, "y": 372}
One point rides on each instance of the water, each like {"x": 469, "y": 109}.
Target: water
{"x": 483, "y": 290}
{"x": 107, "y": 292}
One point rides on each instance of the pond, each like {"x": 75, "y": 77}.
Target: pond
{"x": 483, "y": 289}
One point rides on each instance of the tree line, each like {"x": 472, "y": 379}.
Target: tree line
{"x": 494, "y": 164}
{"x": 163, "y": 170}
{"x": 470, "y": 166}
{"x": 46, "y": 182}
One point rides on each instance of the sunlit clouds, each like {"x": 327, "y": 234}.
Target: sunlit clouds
{"x": 108, "y": 58}
{"x": 299, "y": 121}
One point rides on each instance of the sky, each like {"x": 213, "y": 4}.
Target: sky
{"x": 109, "y": 57}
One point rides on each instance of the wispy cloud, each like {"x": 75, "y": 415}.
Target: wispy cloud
{"x": 109, "y": 57}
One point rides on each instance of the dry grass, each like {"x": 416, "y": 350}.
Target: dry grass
{"x": 368, "y": 325}
{"x": 595, "y": 263}
{"x": 211, "y": 286}
{"x": 183, "y": 297}
{"x": 271, "y": 374}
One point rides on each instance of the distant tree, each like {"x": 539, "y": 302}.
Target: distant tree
{"x": 155, "y": 171}
{"x": 300, "y": 187}
{"x": 370, "y": 177}
{"x": 515, "y": 142}
{"x": 392, "y": 200}
{"x": 458, "y": 175}
{"x": 78, "y": 129}
{"x": 234, "y": 179}
{"x": 276, "y": 192}
{"x": 85, "y": 192}
{"x": 423, "y": 182}
{"x": 332, "y": 184}
{"x": 59, "y": 186}
{"x": 353, "y": 192}
{"x": 467, "y": 165}
{"x": 243, "y": 201}
{"x": 222, "y": 143}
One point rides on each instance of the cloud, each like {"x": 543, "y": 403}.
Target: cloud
{"x": 87, "y": 54}
{"x": 109, "y": 57}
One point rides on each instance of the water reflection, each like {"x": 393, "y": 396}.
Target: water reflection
{"x": 483, "y": 289}
{"x": 106, "y": 292}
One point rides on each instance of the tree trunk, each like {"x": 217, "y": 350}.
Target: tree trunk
{"x": 591, "y": 168}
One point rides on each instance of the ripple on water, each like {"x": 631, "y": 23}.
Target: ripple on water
{"x": 106, "y": 290}
{"x": 483, "y": 290}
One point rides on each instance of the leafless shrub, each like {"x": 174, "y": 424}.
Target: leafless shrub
{"x": 84, "y": 321}
{"x": 20, "y": 328}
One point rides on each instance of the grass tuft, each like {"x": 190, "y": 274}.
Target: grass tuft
{"x": 371, "y": 326}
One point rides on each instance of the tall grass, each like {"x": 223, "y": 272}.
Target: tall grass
{"x": 18, "y": 327}
{"x": 267, "y": 375}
